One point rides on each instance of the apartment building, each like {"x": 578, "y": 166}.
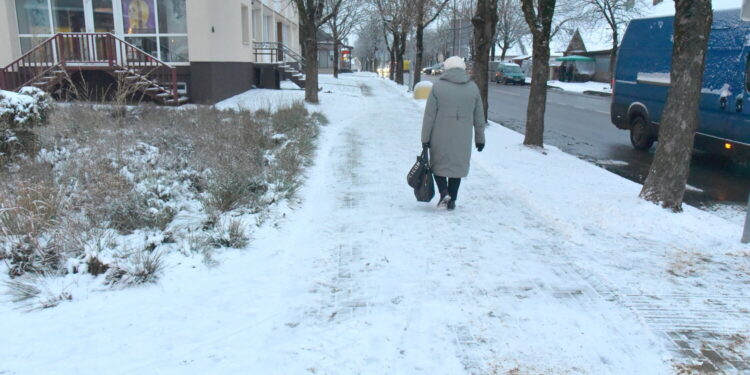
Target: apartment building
{"x": 211, "y": 49}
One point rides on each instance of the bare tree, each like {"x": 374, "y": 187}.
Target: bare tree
{"x": 312, "y": 15}
{"x": 511, "y": 25}
{"x": 484, "y": 21}
{"x": 617, "y": 14}
{"x": 397, "y": 16}
{"x": 370, "y": 41}
{"x": 668, "y": 175}
{"x": 545, "y": 18}
{"x": 341, "y": 25}
{"x": 427, "y": 11}
{"x": 391, "y": 50}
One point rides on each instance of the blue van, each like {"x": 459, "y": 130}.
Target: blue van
{"x": 642, "y": 79}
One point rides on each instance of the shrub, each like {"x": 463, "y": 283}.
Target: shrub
{"x": 34, "y": 255}
{"x": 135, "y": 268}
{"x": 26, "y": 220}
{"x": 28, "y": 108}
{"x": 135, "y": 210}
{"x": 230, "y": 234}
{"x": 100, "y": 176}
{"x": 38, "y": 292}
{"x": 231, "y": 187}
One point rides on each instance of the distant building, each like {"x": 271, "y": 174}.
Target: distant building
{"x": 598, "y": 70}
{"x": 325, "y": 54}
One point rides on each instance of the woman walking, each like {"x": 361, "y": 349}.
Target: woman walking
{"x": 454, "y": 111}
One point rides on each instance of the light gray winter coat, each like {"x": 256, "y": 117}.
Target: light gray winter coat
{"x": 454, "y": 111}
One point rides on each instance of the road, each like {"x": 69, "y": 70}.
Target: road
{"x": 580, "y": 125}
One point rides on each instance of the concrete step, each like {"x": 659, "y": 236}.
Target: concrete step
{"x": 180, "y": 100}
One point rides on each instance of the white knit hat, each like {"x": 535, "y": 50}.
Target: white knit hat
{"x": 454, "y": 62}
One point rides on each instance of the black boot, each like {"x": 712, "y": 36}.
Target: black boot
{"x": 444, "y": 199}
{"x": 451, "y": 205}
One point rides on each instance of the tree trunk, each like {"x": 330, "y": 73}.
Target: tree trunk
{"x": 420, "y": 53}
{"x": 504, "y": 51}
{"x": 538, "y": 93}
{"x": 310, "y": 46}
{"x": 335, "y": 56}
{"x": 484, "y": 21}
{"x": 400, "y": 58}
{"x": 539, "y": 19}
{"x": 392, "y": 72}
{"x": 668, "y": 175}
{"x": 613, "y": 55}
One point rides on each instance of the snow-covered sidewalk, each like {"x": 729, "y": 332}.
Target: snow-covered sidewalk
{"x": 549, "y": 265}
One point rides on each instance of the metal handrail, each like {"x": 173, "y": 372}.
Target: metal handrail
{"x": 84, "y": 50}
{"x": 278, "y": 52}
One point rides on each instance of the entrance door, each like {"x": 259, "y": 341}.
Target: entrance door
{"x": 100, "y": 19}
{"x": 84, "y": 17}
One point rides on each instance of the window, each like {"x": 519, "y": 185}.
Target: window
{"x": 269, "y": 29}
{"x": 172, "y": 16}
{"x": 138, "y": 17}
{"x": 68, "y": 17}
{"x": 256, "y": 24}
{"x": 159, "y": 27}
{"x": 33, "y": 23}
{"x": 104, "y": 17}
{"x": 33, "y": 17}
{"x": 174, "y": 48}
{"x": 147, "y": 44}
{"x": 245, "y": 25}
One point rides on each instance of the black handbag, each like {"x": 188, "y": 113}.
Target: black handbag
{"x": 420, "y": 178}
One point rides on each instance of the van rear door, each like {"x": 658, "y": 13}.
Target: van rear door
{"x": 739, "y": 106}
{"x": 721, "y": 80}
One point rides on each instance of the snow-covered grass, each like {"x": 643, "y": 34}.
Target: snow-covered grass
{"x": 117, "y": 193}
{"x": 549, "y": 265}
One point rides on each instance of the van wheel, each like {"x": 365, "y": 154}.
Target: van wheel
{"x": 641, "y": 136}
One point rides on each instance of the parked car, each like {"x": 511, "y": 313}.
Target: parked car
{"x": 437, "y": 69}
{"x": 506, "y": 73}
{"x": 642, "y": 79}
{"x": 428, "y": 70}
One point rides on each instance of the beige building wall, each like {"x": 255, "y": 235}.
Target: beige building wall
{"x": 214, "y": 30}
{"x": 10, "y": 47}
{"x": 215, "y": 33}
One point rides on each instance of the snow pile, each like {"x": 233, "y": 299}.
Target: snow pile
{"x": 589, "y": 87}
{"x": 257, "y": 99}
{"x": 26, "y": 108}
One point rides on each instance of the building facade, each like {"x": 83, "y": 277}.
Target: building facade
{"x": 212, "y": 43}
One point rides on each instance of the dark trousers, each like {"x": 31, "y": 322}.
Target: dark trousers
{"x": 449, "y": 184}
